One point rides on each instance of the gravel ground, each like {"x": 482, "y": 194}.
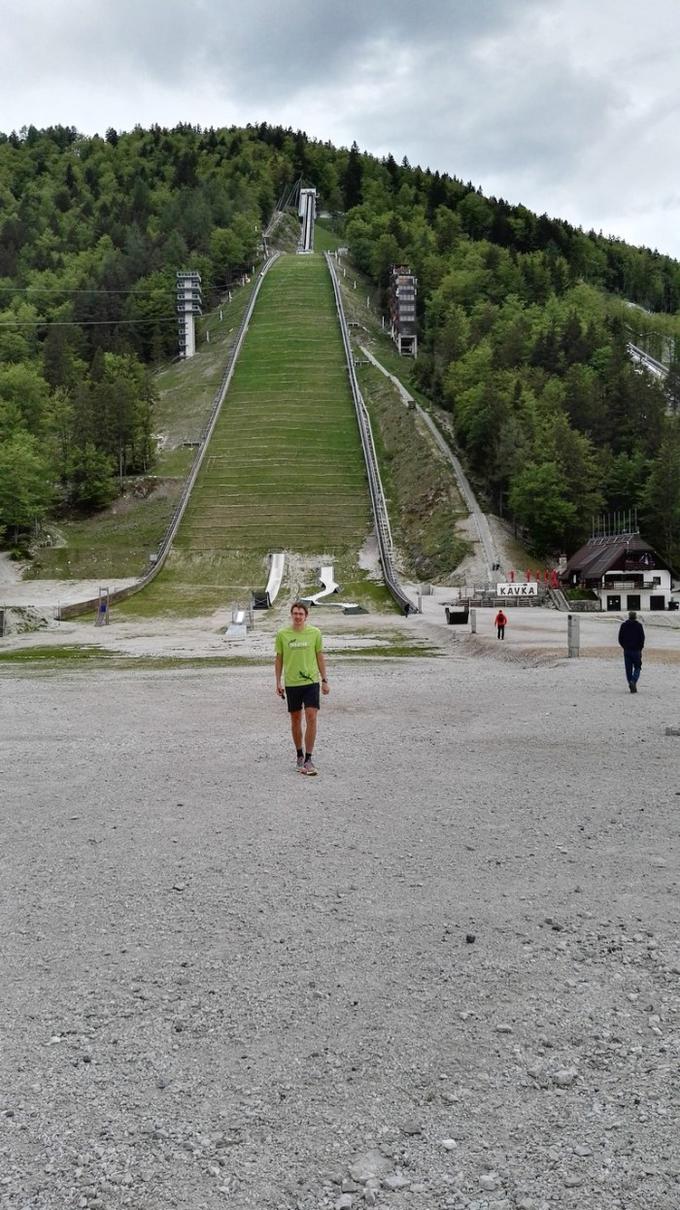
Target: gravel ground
{"x": 443, "y": 974}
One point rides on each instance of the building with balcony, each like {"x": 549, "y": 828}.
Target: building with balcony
{"x": 623, "y": 570}
{"x": 402, "y": 306}
{"x": 189, "y": 304}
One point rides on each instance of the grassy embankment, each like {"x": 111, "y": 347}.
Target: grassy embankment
{"x": 284, "y": 469}
{"x": 119, "y": 540}
{"x": 424, "y": 503}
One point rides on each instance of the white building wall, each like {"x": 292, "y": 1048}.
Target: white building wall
{"x": 615, "y": 585}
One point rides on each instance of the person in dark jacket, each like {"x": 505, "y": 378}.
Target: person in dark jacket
{"x": 632, "y": 639}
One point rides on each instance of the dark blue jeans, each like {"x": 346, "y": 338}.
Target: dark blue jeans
{"x": 633, "y": 662}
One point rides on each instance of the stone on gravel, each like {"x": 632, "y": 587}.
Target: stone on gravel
{"x": 411, "y": 1126}
{"x": 398, "y": 1181}
{"x": 371, "y": 1164}
{"x": 565, "y": 1077}
{"x": 489, "y": 1181}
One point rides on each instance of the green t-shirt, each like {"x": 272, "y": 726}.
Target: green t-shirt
{"x": 299, "y": 648}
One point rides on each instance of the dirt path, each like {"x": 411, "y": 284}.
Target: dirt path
{"x": 10, "y": 572}
{"x": 48, "y": 594}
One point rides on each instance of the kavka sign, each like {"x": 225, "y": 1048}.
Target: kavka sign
{"x": 517, "y": 590}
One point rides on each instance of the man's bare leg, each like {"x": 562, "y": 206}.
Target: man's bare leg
{"x": 311, "y": 713}
{"x": 296, "y": 728}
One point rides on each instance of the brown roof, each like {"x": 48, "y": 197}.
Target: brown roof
{"x": 598, "y": 555}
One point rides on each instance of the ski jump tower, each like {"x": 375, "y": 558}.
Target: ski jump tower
{"x": 307, "y": 213}
{"x": 402, "y": 302}
{"x": 189, "y": 303}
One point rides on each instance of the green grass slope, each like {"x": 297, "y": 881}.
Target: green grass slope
{"x": 284, "y": 468}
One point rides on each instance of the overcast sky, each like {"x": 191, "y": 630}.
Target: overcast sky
{"x": 569, "y": 106}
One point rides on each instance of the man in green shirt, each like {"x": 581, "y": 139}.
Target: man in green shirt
{"x": 301, "y": 662}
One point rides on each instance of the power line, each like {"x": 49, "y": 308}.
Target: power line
{"x": 67, "y": 290}
{"x": 72, "y": 323}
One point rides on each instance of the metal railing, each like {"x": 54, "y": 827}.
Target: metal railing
{"x": 380, "y": 514}
{"x": 650, "y": 363}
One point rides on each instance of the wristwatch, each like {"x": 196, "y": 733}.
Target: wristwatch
{"x": 324, "y": 680}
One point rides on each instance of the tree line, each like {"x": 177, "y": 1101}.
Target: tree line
{"x": 523, "y": 323}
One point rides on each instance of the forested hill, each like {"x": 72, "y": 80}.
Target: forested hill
{"x": 522, "y": 336}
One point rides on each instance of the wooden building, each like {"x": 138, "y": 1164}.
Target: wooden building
{"x": 624, "y": 571}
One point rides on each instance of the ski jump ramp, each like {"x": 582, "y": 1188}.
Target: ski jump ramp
{"x": 263, "y": 600}
{"x": 278, "y": 560}
{"x": 328, "y": 586}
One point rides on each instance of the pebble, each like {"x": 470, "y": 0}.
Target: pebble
{"x": 412, "y": 1127}
{"x": 396, "y": 1182}
{"x": 449, "y": 1144}
{"x": 572, "y": 1181}
{"x": 344, "y": 1202}
{"x": 565, "y": 1077}
{"x": 368, "y": 1165}
{"x": 504, "y": 1029}
{"x": 489, "y": 1181}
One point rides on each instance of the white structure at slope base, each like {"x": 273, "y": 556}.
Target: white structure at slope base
{"x": 189, "y": 304}
{"x": 329, "y": 585}
{"x": 276, "y": 566}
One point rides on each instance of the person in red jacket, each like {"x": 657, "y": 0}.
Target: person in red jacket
{"x": 500, "y": 622}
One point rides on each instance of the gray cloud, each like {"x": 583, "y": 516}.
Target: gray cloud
{"x": 263, "y": 49}
{"x": 569, "y": 107}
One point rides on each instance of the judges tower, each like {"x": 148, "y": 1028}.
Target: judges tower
{"x": 189, "y": 303}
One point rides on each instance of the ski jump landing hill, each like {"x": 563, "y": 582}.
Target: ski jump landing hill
{"x": 287, "y": 454}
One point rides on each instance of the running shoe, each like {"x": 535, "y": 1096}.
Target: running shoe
{"x": 299, "y": 762}
{"x": 308, "y": 769}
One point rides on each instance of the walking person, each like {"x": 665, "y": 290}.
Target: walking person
{"x": 300, "y": 671}
{"x": 632, "y": 639}
{"x": 500, "y": 622}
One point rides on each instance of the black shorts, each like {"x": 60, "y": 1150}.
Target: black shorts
{"x": 298, "y": 696}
